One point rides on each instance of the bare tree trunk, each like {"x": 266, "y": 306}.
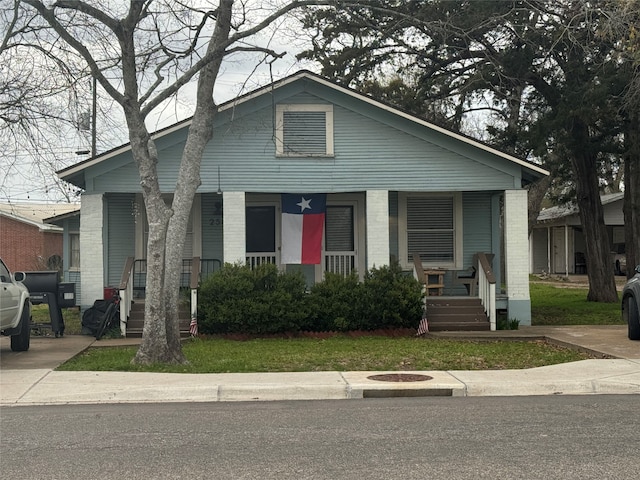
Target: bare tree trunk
{"x": 536, "y": 193}
{"x": 155, "y": 346}
{"x": 602, "y": 286}
{"x": 632, "y": 193}
{"x": 135, "y": 71}
{"x": 161, "y": 341}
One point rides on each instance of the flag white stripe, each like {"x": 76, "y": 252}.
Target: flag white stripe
{"x": 291, "y": 238}
{"x": 423, "y": 327}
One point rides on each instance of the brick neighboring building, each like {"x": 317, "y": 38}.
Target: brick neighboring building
{"x": 26, "y": 242}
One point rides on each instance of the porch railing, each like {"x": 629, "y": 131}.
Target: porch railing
{"x": 487, "y": 288}
{"x": 342, "y": 263}
{"x": 134, "y": 276}
{"x": 206, "y": 266}
{"x": 126, "y": 294}
{"x": 255, "y": 259}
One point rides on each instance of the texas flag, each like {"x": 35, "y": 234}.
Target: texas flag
{"x": 302, "y": 227}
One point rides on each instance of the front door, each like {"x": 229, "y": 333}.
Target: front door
{"x": 559, "y": 249}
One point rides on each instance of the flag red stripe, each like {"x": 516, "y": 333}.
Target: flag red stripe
{"x": 312, "y": 229}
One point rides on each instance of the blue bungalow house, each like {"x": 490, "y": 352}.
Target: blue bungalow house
{"x": 396, "y": 186}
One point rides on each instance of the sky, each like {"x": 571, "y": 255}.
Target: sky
{"x": 25, "y": 180}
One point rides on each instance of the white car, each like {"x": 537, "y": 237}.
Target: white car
{"x": 15, "y": 309}
{"x": 619, "y": 259}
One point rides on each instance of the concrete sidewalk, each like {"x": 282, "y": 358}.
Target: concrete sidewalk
{"x": 29, "y": 378}
{"x": 47, "y": 387}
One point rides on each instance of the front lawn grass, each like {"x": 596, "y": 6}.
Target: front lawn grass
{"x": 551, "y": 305}
{"x": 72, "y": 323}
{"x": 340, "y": 353}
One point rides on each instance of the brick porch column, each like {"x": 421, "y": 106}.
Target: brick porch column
{"x": 516, "y": 251}
{"x": 92, "y": 281}
{"x": 377, "y": 215}
{"x": 234, "y": 227}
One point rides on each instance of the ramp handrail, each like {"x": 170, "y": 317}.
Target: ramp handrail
{"x": 195, "y": 281}
{"x": 126, "y": 294}
{"x": 487, "y": 287}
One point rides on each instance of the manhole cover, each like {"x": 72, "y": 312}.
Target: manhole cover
{"x": 400, "y": 377}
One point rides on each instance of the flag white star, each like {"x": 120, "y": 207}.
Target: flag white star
{"x": 304, "y": 204}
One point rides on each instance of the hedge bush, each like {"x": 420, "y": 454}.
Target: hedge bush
{"x": 237, "y": 299}
{"x": 393, "y": 299}
{"x": 336, "y": 304}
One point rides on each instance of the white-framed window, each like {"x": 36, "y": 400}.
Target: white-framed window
{"x": 74, "y": 251}
{"x": 339, "y": 231}
{"x": 340, "y": 254}
{"x": 304, "y": 130}
{"x": 262, "y": 231}
{"x": 431, "y": 226}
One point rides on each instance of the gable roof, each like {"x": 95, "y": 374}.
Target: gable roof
{"x": 534, "y": 171}
{"x": 35, "y": 214}
{"x": 569, "y": 209}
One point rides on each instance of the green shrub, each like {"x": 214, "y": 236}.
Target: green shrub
{"x": 237, "y": 299}
{"x": 393, "y": 299}
{"x": 336, "y": 304}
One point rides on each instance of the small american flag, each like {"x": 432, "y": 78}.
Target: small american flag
{"x": 193, "y": 327}
{"x": 423, "y": 327}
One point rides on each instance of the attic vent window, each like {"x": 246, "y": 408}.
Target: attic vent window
{"x": 304, "y": 130}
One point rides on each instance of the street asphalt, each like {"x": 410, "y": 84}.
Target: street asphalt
{"x": 30, "y": 378}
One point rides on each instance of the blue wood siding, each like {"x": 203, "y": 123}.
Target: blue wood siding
{"x": 73, "y": 224}
{"x": 74, "y": 277}
{"x": 368, "y": 155}
{"x": 374, "y": 149}
{"x": 211, "y": 204}
{"x": 70, "y": 225}
{"x": 120, "y": 236}
{"x": 477, "y": 234}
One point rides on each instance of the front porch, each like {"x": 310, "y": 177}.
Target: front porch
{"x": 362, "y": 230}
{"x": 477, "y": 310}
{"x": 473, "y": 309}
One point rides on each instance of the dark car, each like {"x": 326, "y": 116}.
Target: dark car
{"x": 631, "y": 305}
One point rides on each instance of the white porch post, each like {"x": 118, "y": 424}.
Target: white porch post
{"x": 566, "y": 250}
{"x": 91, "y": 248}
{"x": 377, "y": 214}
{"x": 549, "y": 250}
{"x": 516, "y": 255}
{"x": 234, "y": 227}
